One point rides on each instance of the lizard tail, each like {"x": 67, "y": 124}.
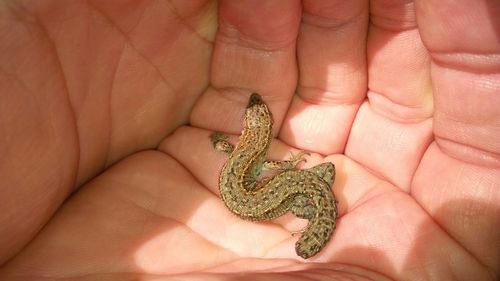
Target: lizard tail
{"x": 317, "y": 233}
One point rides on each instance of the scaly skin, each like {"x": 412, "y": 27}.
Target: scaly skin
{"x": 306, "y": 193}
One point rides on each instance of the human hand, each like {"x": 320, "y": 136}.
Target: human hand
{"x": 91, "y": 84}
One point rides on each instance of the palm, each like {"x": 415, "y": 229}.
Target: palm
{"x": 405, "y": 201}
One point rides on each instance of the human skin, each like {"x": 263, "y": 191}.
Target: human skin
{"x": 107, "y": 171}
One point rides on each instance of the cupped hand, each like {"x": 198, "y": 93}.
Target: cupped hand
{"x": 107, "y": 171}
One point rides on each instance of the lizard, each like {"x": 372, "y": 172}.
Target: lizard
{"x": 306, "y": 193}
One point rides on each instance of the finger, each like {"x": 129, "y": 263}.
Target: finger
{"x": 332, "y": 65}
{"x": 393, "y": 128}
{"x": 457, "y": 181}
{"x": 254, "y": 51}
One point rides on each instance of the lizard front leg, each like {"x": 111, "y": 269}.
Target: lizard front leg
{"x": 220, "y": 143}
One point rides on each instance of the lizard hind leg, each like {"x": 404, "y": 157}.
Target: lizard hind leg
{"x": 326, "y": 171}
{"x": 286, "y": 165}
{"x": 303, "y": 207}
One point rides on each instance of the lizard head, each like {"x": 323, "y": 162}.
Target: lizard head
{"x": 257, "y": 114}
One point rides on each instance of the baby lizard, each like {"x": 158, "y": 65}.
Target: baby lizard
{"x": 306, "y": 193}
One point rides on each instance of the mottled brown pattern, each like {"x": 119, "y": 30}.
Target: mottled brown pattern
{"x": 306, "y": 193}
